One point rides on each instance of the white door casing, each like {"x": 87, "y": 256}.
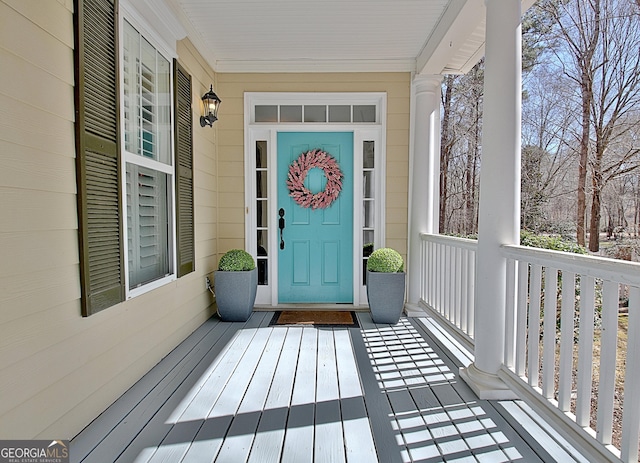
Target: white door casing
{"x": 265, "y": 133}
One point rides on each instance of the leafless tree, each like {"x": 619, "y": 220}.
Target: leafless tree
{"x": 460, "y": 151}
{"x": 615, "y": 107}
{"x": 600, "y": 41}
{"x": 578, "y": 23}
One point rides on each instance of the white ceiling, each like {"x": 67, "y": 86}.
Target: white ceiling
{"x": 423, "y": 36}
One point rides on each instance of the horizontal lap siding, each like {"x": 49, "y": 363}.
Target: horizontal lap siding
{"x": 231, "y": 88}
{"x": 59, "y": 371}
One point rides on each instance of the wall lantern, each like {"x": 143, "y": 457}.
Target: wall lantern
{"x": 211, "y": 105}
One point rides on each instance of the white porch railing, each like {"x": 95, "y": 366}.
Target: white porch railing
{"x": 561, "y": 352}
{"x": 449, "y": 266}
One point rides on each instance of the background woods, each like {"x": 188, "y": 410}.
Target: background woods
{"x": 580, "y": 125}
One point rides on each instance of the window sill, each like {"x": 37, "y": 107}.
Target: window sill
{"x": 135, "y": 292}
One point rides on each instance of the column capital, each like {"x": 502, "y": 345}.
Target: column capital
{"x": 428, "y": 83}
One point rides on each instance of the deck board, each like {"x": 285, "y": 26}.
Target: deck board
{"x": 147, "y": 441}
{"x": 186, "y": 355}
{"x": 236, "y": 392}
{"x": 299, "y": 437}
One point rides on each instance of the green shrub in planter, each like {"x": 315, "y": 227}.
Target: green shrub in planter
{"x": 236, "y": 285}
{"x": 385, "y": 260}
{"x": 236, "y": 260}
{"x": 385, "y": 285}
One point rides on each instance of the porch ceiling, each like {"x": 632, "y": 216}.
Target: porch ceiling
{"x": 422, "y": 36}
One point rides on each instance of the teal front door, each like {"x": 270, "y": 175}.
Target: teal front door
{"x": 315, "y": 246}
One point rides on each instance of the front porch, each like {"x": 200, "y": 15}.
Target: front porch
{"x": 254, "y": 392}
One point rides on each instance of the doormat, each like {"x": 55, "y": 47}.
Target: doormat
{"x": 322, "y": 318}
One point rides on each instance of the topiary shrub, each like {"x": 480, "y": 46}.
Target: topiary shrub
{"x": 385, "y": 260}
{"x": 236, "y": 260}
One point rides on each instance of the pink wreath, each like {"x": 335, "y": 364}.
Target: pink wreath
{"x": 298, "y": 171}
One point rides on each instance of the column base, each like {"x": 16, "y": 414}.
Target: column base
{"x": 414, "y": 310}
{"x": 485, "y": 385}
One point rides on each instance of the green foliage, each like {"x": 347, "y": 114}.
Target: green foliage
{"x": 236, "y": 260}
{"x": 385, "y": 260}
{"x": 555, "y": 243}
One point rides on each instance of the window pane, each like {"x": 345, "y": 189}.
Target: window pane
{"x": 290, "y": 113}
{"x": 368, "y": 154}
{"x": 147, "y": 98}
{"x": 147, "y": 225}
{"x": 262, "y": 243}
{"x": 364, "y": 271}
{"x": 261, "y": 213}
{"x": 367, "y": 213}
{"x": 315, "y": 114}
{"x": 262, "y": 262}
{"x": 367, "y": 239}
{"x": 367, "y": 183}
{"x": 266, "y": 113}
{"x": 261, "y": 154}
{"x": 261, "y": 184}
{"x": 263, "y": 271}
{"x": 340, "y": 113}
{"x": 364, "y": 113}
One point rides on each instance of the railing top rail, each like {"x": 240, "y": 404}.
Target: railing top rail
{"x": 598, "y": 267}
{"x": 464, "y": 243}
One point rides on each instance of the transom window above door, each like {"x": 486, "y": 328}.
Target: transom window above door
{"x": 314, "y": 113}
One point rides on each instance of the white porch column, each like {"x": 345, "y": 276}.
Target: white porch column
{"x": 499, "y": 213}
{"x": 424, "y": 168}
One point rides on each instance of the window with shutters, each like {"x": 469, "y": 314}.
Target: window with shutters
{"x": 134, "y": 156}
{"x": 148, "y": 160}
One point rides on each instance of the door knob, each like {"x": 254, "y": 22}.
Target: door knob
{"x": 281, "y": 225}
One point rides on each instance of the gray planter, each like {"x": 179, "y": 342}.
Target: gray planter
{"x": 235, "y": 294}
{"x": 385, "y": 292}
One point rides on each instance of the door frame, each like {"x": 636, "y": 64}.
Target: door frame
{"x": 267, "y": 295}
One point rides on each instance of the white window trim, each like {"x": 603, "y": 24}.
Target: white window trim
{"x": 268, "y": 294}
{"x": 129, "y": 13}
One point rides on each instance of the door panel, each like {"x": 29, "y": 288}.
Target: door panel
{"x": 316, "y": 264}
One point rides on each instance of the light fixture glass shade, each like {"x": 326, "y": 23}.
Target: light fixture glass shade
{"x": 211, "y": 104}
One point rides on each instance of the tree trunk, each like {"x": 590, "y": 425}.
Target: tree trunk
{"x": 470, "y": 175}
{"x": 585, "y": 56}
{"x": 445, "y": 151}
{"x": 596, "y": 199}
{"x": 582, "y": 163}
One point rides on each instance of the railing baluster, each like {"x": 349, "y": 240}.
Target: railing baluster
{"x": 424, "y": 270}
{"x": 608, "y": 346}
{"x": 566, "y": 340}
{"x": 448, "y": 272}
{"x": 510, "y": 316}
{"x": 432, "y": 274}
{"x": 533, "y": 345}
{"x": 456, "y": 288}
{"x": 631, "y": 415}
{"x": 549, "y": 333}
{"x": 464, "y": 288}
{"x": 521, "y": 317}
{"x": 439, "y": 279}
{"x": 585, "y": 350}
{"x": 471, "y": 307}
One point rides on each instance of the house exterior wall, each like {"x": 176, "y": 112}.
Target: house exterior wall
{"x": 231, "y": 88}
{"x": 58, "y": 370}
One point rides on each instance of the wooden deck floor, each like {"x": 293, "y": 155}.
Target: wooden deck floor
{"x": 235, "y": 392}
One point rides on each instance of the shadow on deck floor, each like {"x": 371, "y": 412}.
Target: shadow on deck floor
{"x": 251, "y": 392}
